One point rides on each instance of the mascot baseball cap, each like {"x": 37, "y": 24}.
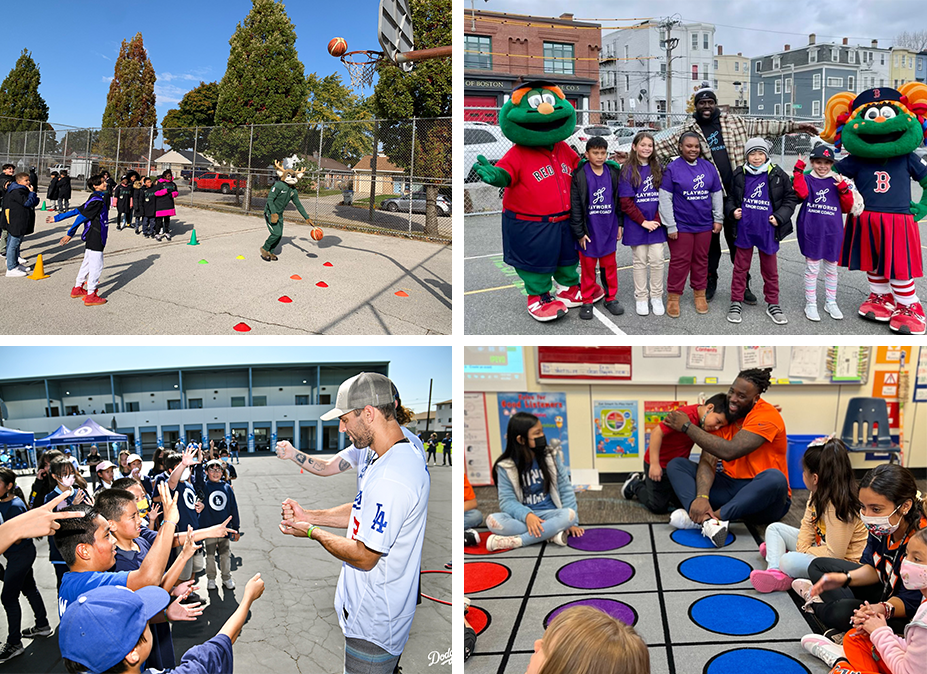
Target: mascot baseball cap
{"x": 104, "y": 624}
{"x": 367, "y": 388}
{"x": 876, "y": 95}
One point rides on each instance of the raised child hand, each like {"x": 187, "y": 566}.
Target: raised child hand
{"x": 171, "y": 511}
{"x": 254, "y": 588}
{"x": 189, "y": 545}
{"x": 190, "y": 457}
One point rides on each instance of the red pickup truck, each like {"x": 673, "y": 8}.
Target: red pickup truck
{"x": 219, "y": 182}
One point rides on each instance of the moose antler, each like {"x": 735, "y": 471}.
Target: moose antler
{"x": 278, "y": 165}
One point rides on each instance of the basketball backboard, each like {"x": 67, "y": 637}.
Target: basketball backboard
{"x": 394, "y": 28}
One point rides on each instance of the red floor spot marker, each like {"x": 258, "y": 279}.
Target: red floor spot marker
{"x": 242, "y": 327}
{"x": 322, "y": 284}
{"x": 284, "y": 299}
{"x": 402, "y": 293}
{"x": 296, "y": 277}
{"x": 328, "y": 264}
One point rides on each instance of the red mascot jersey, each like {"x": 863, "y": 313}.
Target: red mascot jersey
{"x": 541, "y": 179}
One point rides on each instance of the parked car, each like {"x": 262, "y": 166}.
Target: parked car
{"x": 219, "y": 182}
{"x": 396, "y": 204}
{"x": 57, "y": 168}
{"x": 577, "y": 141}
{"x": 186, "y": 174}
{"x": 484, "y": 139}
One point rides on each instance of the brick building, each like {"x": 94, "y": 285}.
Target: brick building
{"x": 501, "y": 48}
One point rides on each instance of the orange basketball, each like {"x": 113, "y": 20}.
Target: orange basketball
{"x": 337, "y": 46}
{"x": 316, "y": 233}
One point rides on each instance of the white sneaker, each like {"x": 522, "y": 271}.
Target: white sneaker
{"x": 23, "y": 261}
{"x": 657, "y": 304}
{"x": 679, "y": 519}
{"x": 834, "y": 311}
{"x": 823, "y": 649}
{"x": 495, "y": 542}
{"x": 229, "y": 584}
{"x": 16, "y": 272}
{"x": 211, "y": 584}
{"x": 560, "y": 539}
{"x": 643, "y": 309}
{"x": 715, "y": 531}
{"x": 811, "y": 312}
{"x": 802, "y": 587}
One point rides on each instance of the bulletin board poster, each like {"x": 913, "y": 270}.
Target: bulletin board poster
{"x": 590, "y": 363}
{"x": 476, "y": 440}
{"x": 550, "y": 408}
{"x": 920, "y": 382}
{"x": 891, "y": 355}
{"x": 655, "y": 412}
{"x": 616, "y": 428}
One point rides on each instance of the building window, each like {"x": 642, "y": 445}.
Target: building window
{"x": 851, "y": 56}
{"x": 835, "y": 55}
{"x": 704, "y": 40}
{"x": 626, "y": 52}
{"x": 558, "y": 58}
{"x": 758, "y": 67}
{"x": 695, "y": 71}
{"x": 259, "y": 401}
{"x": 815, "y": 108}
{"x": 716, "y": 64}
{"x": 131, "y": 407}
{"x": 851, "y": 83}
{"x": 662, "y": 70}
{"x": 238, "y": 401}
{"x": 816, "y": 81}
{"x": 760, "y": 106}
{"x": 715, "y": 85}
{"x": 736, "y": 66}
{"x": 302, "y": 400}
{"x": 627, "y": 83}
{"x": 173, "y": 405}
{"x": 835, "y": 81}
{"x": 896, "y": 60}
{"x": 788, "y": 109}
{"x": 812, "y": 56}
{"x": 777, "y": 86}
{"x": 777, "y": 110}
{"x": 109, "y": 408}
{"x": 788, "y": 85}
{"x": 71, "y": 410}
{"x": 478, "y": 52}
{"x": 194, "y": 403}
{"x": 761, "y": 89}
{"x": 881, "y": 81}
{"x": 777, "y": 62}
{"x": 695, "y": 41}
{"x": 325, "y": 399}
{"x": 883, "y": 59}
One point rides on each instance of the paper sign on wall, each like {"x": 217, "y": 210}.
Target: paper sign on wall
{"x": 616, "y": 428}
{"x": 476, "y": 440}
{"x": 655, "y": 411}
{"x": 550, "y": 408}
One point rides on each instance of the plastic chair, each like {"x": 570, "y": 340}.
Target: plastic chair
{"x": 866, "y": 428}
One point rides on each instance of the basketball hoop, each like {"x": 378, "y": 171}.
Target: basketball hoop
{"x": 361, "y": 66}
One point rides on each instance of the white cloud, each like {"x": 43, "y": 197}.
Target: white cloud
{"x": 108, "y": 79}
{"x": 194, "y": 76}
{"x": 104, "y": 56}
{"x": 168, "y": 93}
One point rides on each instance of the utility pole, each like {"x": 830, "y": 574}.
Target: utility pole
{"x": 428, "y": 417}
{"x": 669, "y": 44}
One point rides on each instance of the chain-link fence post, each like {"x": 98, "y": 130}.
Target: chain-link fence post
{"x": 90, "y": 173}
{"x": 196, "y": 137}
{"x": 9, "y": 146}
{"x": 118, "y": 148}
{"x": 318, "y": 175}
{"x": 150, "y": 150}
{"x": 64, "y": 157}
{"x": 249, "y": 187}
{"x": 412, "y": 173}
{"x": 373, "y": 168}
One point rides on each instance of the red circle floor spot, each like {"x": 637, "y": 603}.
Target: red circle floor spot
{"x": 322, "y": 284}
{"x": 478, "y": 619}
{"x": 481, "y": 548}
{"x": 284, "y": 299}
{"x": 242, "y": 327}
{"x": 481, "y": 576}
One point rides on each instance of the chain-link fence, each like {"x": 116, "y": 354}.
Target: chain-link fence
{"x": 404, "y": 187}
{"x": 482, "y": 136}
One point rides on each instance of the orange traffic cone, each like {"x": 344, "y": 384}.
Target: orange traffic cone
{"x": 39, "y": 273}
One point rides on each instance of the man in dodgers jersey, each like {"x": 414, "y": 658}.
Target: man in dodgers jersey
{"x": 381, "y": 554}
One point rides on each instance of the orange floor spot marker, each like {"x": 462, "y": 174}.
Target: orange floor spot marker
{"x": 242, "y": 327}
{"x": 322, "y": 284}
{"x": 296, "y": 277}
{"x": 284, "y": 299}
{"x": 402, "y": 293}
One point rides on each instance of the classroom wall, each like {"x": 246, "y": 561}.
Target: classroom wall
{"x": 810, "y": 409}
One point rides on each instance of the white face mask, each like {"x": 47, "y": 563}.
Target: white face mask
{"x": 67, "y": 481}
{"x": 880, "y": 526}
{"x": 185, "y": 475}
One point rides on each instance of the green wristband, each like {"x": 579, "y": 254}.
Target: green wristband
{"x": 310, "y": 530}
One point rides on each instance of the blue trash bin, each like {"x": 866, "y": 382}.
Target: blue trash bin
{"x": 797, "y": 444}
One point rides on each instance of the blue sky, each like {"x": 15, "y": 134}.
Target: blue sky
{"x": 187, "y": 42}
{"x": 410, "y": 367}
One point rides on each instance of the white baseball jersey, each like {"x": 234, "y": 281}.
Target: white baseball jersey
{"x": 388, "y": 516}
{"x": 358, "y": 455}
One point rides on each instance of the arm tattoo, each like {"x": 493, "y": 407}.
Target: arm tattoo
{"x": 344, "y": 465}
{"x": 316, "y": 465}
{"x": 301, "y": 458}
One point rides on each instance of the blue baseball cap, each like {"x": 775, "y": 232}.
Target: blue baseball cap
{"x": 105, "y": 623}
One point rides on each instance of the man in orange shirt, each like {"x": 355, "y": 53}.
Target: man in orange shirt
{"x": 472, "y": 517}
{"x": 752, "y": 483}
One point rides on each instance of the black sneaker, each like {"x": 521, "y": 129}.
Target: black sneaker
{"x": 33, "y": 632}
{"x": 585, "y": 312}
{"x": 10, "y": 651}
{"x": 614, "y": 308}
{"x": 471, "y": 537}
{"x": 711, "y": 287}
{"x": 749, "y": 297}
{"x": 627, "y": 490}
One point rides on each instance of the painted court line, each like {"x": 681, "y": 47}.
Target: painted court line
{"x": 607, "y": 323}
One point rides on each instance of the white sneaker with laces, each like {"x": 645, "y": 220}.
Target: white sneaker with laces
{"x": 642, "y": 308}
{"x": 229, "y": 584}
{"x": 494, "y": 542}
{"x": 657, "y": 304}
{"x": 560, "y": 539}
{"x": 833, "y": 310}
{"x": 715, "y": 531}
{"x": 679, "y": 519}
{"x": 811, "y": 312}
{"x": 211, "y": 584}
{"x": 802, "y": 587}
{"x": 16, "y": 272}
{"x": 823, "y": 649}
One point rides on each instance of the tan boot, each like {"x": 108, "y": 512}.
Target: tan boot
{"x": 672, "y": 305}
{"x": 701, "y": 304}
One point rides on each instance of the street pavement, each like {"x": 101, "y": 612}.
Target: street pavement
{"x": 495, "y": 302}
{"x": 166, "y": 288}
{"x": 292, "y": 628}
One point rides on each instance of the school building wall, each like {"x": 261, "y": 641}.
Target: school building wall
{"x": 807, "y": 410}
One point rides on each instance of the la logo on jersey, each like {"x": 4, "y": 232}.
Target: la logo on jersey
{"x": 883, "y": 182}
{"x": 189, "y": 499}
{"x": 217, "y": 500}
{"x": 379, "y": 521}
{"x": 357, "y": 500}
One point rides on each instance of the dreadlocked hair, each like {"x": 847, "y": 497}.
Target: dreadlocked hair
{"x": 757, "y": 377}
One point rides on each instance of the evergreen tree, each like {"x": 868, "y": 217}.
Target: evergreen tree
{"x": 347, "y": 134}
{"x": 197, "y": 108}
{"x": 20, "y": 98}
{"x": 130, "y": 104}
{"x": 264, "y": 83}
{"x": 425, "y": 92}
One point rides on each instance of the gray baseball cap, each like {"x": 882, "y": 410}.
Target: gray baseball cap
{"x": 367, "y": 388}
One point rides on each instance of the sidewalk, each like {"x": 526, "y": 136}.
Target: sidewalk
{"x": 165, "y": 288}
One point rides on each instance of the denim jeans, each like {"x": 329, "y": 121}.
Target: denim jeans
{"x": 63, "y": 205}
{"x": 555, "y": 521}
{"x": 781, "y": 546}
{"x": 12, "y": 251}
{"x": 472, "y": 518}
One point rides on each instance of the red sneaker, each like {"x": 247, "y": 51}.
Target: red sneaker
{"x": 909, "y": 320}
{"x": 544, "y": 308}
{"x": 78, "y": 291}
{"x": 878, "y": 307}
{"x": 573, "y": 296}
{"x": 93, "y": 300}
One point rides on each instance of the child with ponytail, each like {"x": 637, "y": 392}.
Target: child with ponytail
{"x": 831, "y": 526}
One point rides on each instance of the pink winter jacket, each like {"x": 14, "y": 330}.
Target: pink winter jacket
{"x": 907, "y": 655}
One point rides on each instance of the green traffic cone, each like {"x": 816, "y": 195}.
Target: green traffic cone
{"x": 193, "y": 241}
{"x": 43, "y": 204}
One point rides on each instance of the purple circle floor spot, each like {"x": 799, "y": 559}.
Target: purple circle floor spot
{"x": 600, "y": 540}
{"x": 616, "y": 609}
{"x": 595, "y": 573}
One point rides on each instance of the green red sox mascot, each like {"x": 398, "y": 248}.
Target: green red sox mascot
{"x": 536, "y": 174}
{"x": 881, "y": 128}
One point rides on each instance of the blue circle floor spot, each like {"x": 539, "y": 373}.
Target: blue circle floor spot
{"x": 733, "y": 615}
{"x": 692, "y": 538}
{"x": 754, "y": 660}
{"x": 715, "y": 569}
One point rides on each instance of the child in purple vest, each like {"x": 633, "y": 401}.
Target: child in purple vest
{"x": 761, "y": 201}
{"x": 596, "y": 224}
{"x": 691, "y": 208}
{"x": 826, "y": 196}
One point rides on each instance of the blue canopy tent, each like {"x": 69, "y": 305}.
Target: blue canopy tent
{"x": 46, "y": 441}
{"x": 13, "y": 438}
{"x": 89, "y": 432}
